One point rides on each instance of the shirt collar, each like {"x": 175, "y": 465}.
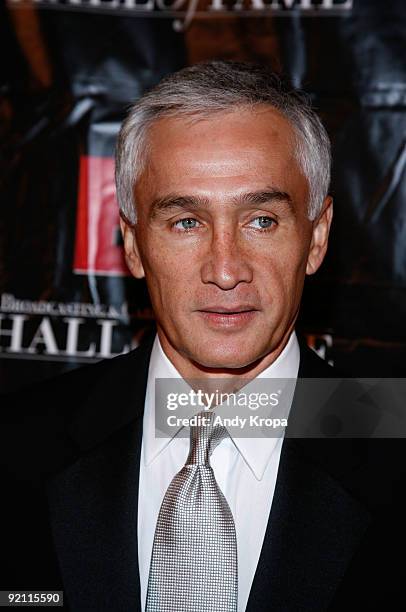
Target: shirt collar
{"x": 159, "y": 367}
{"x": 255, "y": 452}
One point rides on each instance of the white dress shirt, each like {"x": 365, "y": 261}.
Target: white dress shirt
{"x": 245, "y": 469}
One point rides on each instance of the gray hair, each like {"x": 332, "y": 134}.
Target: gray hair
{"x": 222, "y": 86}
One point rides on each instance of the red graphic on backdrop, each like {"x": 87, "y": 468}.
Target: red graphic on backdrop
{"x": 98, "y": 247}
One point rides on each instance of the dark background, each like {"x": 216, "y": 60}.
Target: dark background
{"x": 67, "y": 77}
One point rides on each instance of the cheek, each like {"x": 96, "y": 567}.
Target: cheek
{"x": 170, "y": 261}
{"x": 295, "y": 276}
{"x": 169, "y": 279}
{"x": 281, "y": 278}
{"x": 158, "y": 248}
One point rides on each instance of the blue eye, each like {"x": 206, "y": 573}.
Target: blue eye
{"x": 263, "y": 222}
{"x": 186, "y": 224}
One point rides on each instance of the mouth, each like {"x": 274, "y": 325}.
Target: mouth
{"x": 228, "y": 317}
{"x": 228, "y": 309}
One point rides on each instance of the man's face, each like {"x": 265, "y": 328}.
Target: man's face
{"x": 222, "y": 236}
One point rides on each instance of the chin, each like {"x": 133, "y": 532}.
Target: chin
{"x": 224, "y": 359}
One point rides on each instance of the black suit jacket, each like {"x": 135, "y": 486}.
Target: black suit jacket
{"x": 70, "y": 453}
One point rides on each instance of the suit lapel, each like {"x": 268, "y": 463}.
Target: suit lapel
{"x": 315, "y": 523}
{"x": 313, "y": 531}
{"x": 94, "y": 520}
{"x": 94, "y": 501}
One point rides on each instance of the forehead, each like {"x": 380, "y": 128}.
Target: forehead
{"x": 222, "y": 153}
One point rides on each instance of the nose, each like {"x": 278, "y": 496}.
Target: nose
{"x": 227, "y": 263}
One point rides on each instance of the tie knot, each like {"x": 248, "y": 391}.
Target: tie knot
{"x": 204, "y": 438}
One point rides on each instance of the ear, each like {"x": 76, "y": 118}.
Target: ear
{"x": 132, "y": 254}
{"x": 320, "y": 232}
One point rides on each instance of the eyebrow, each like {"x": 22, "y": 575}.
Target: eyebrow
{"x": 264, "y": 197}
{"x": 252, "y": 198}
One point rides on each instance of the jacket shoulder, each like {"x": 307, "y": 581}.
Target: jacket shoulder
{"x": 35, "y": 423}
{"x": 68, "y": 390}
{"x": 312, "y": 365}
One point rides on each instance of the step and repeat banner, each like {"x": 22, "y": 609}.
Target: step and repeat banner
{"x": 70, "y": 69}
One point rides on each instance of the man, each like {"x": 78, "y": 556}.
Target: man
{"x": 222, "y": 180}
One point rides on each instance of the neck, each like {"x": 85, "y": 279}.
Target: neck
{"x": 229, "y": 379}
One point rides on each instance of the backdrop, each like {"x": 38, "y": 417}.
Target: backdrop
{"x": 70, "y": 69}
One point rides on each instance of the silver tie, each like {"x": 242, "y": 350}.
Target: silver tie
{"x": 194, "y": 555}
